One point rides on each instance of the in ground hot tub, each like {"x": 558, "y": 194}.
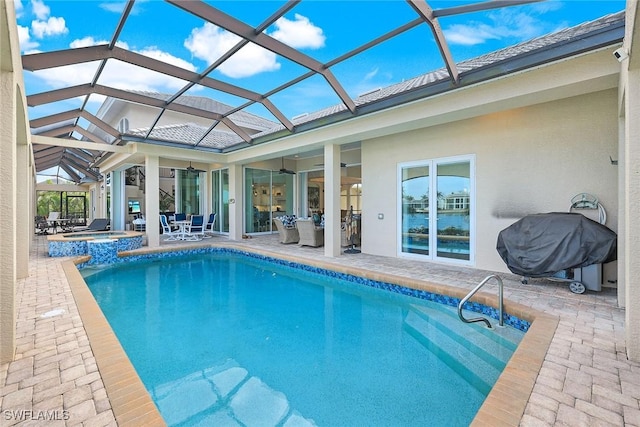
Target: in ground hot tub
{"x": 75, "y": 244}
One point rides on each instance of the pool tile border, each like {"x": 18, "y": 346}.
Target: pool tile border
{"x": 504, "y": 406}
{"x": 68, "y": 245}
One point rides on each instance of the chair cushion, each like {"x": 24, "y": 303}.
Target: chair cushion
{"x": 288, "y": 220}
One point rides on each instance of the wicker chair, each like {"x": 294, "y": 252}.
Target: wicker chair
{"x": 287, "y": 234}
{"x": 310, "y": 235}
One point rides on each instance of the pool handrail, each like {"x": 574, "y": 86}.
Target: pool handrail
{"x": 472, "y": 293}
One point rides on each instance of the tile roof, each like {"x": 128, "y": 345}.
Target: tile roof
{"x": 241, "y": 118}
{"x": 190, "y": 133}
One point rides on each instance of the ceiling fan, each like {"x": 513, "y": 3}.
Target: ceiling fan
{"x": 191, "y": 169}
{"x": 285, "y": 170}
{"x": 342, "y": 165}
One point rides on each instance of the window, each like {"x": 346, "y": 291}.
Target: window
{"x": 447, "y": 185}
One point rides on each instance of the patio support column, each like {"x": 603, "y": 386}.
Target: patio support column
{"x": 24, "y": 217}
{"x": 632, "y": 207}
{"x": 236, "y": 202}
{"x": 118, "y": 203}
{"x": 331, "y": 200}
{"x": 102, "y": 208}
{"x": 152, "y": 200}
{"x": 9, "y": 93}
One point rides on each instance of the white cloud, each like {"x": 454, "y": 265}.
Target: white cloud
{"x": 85, "y": 42}
{"x": 41, "y": 10}
{"x": 117, "y": 74}
{"x": 155, "y": 53}
{"x": 26, "y": 43}
{"x": 210, "y": 42}
{"x": 115, "y": 7}
{"x": 504, "y": 24}
{"x": 90, "y": 41}
{"x": 51, "y": 27}
{"x": 18, "y": 7}
{"x": 371, "y": 74}
{"x": 300, "y": 33}
{"x": 470, "y": 34}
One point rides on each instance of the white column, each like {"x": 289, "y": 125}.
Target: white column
{"x": 118, "y": 202}
{"x": 332, "y": 200}
{"x": 632, "y": 207}
{"x": 8, "y": 188}
{"x": 24, "y": 218}
{"x": 236, "y": 203}
{"x": 152, "y": 200}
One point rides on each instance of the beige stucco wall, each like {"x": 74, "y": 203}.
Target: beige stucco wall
{"x": 630, "y": 111}
{"x": 16, "y": 177}
{"x": 527, "y": 160}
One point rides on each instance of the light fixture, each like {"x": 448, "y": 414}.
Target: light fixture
{"x": 620, "y": 54}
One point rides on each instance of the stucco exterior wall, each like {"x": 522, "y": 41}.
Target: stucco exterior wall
{"x": 527, "y": 160}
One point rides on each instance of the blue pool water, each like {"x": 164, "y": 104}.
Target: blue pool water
{"x": 230, "y": 340}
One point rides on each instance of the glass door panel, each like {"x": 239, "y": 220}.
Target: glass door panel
{"x": 453, "y": 200}
{"x": 282, "y": 196}
{"x": 189, "y": 190}
{"x": 258, "y": 198}
{"x": 220, "y": 199}
{"x": 223, "y": 221}
{"x": 415, "y": 210}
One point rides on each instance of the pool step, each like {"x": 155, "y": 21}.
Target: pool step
{"x": 502, "y": 341}
{"x": 465, "y": 357}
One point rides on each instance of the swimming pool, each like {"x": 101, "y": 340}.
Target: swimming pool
{"x": 372, "y": 360}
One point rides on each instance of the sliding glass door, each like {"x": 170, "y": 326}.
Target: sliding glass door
{"x": 220, "y": 200}
{"x": 436, "y": 209}
{"x": 267, "y": 195}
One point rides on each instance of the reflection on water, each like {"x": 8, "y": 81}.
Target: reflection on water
{"x": 453, "y": 234}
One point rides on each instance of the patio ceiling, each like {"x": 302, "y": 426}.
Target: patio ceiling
{"x": 82, "y": 125}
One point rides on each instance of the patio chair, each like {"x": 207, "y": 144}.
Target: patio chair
{"x": 180, "y": 217}
{"x": 169, "y": 234}
{"x": 208, "y": 227}
{"x": 52, "y": 220}
{"x": 195, "y": 229}
{"x": 288, "y": 234}
{"x": 41, "y": 225}
{"x": 139, "y": 224}
{"x": 310, "y": 235}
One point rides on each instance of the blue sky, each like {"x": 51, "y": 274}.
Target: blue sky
{"x": 321, "y": 29}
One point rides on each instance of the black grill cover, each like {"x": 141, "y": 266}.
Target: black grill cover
{"x": 543, "y": 244}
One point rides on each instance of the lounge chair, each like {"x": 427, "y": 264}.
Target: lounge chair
{"x": 52, "y": 221}
{"x": 288, "y": 234}
{"x": 98, "y": 224}
{"x": 310, "y": 235}
{"x": 208, "y": 227}
{"x": 195, "y": 229}
{"x": 169, "y": 234}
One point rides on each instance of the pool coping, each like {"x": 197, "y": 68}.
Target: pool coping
{"x": 132, "y": 404}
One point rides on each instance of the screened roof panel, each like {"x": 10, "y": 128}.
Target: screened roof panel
{"x": 312, "y": 60}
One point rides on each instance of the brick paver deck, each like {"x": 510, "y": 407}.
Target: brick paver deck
{"x": 55, "y": 379}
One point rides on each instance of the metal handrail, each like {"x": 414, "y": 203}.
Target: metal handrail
{"x": 472, "y": 293}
